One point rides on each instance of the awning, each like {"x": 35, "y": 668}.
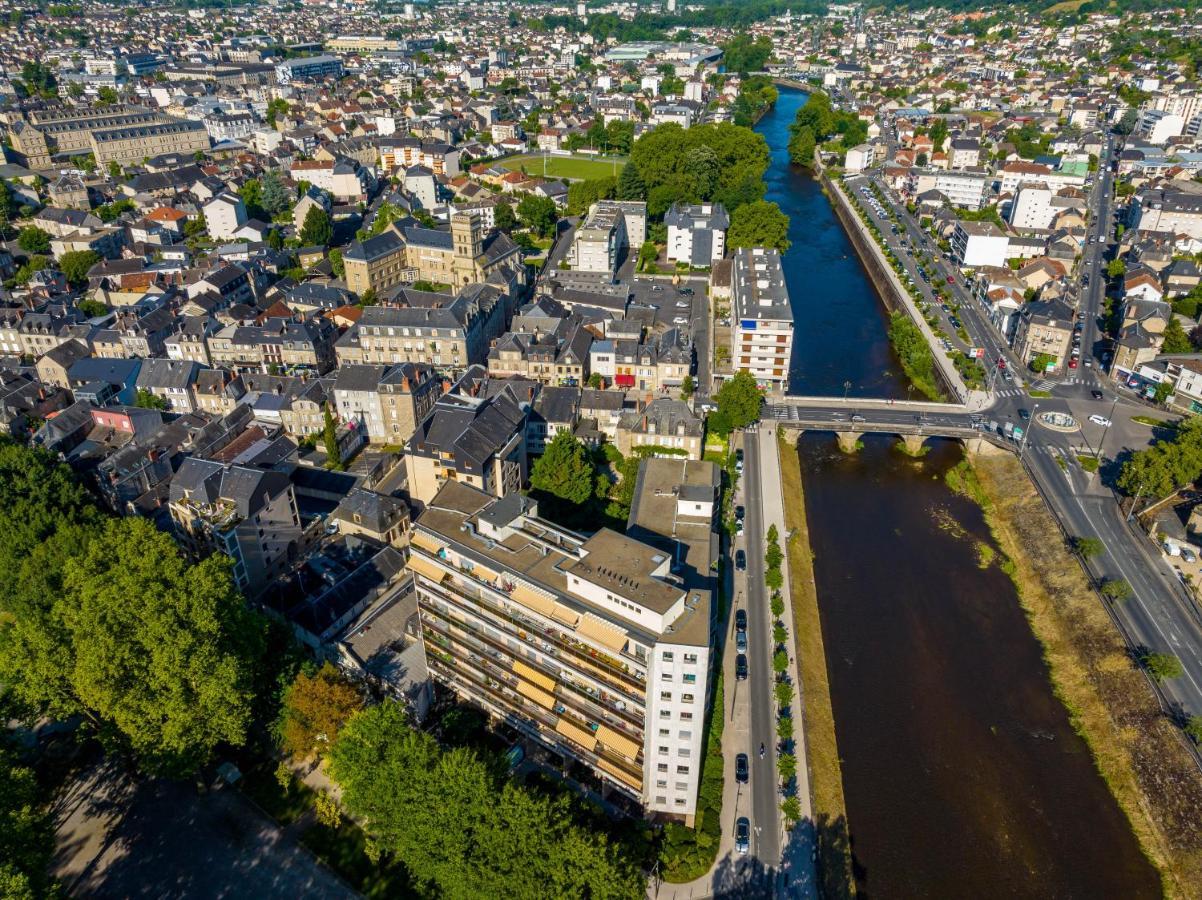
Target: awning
{"x": 617, "y": 741}
{"x": 621, "y": 774}
{"x": 624, "y": 380}
{"x": 427, "y": 542}
{"x": 542, "y": 698}
{"x": 423, "y": 566}
{"x": 561, "y": 613}
{"x": 602, "y": 632}
{"x": 581, "y": 736}
{"x": 534, "y": 676}
{"x": 532, "y": 599}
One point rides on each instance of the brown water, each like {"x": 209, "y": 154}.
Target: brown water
{"x": 962, "y": 774}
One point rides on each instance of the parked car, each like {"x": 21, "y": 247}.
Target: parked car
{"x": 1024, "y": 414}
{"x": 738, "y": 527}
{"x": 741, "y": 641}
{"x": 740, "y": 513}
{"x": 741, "y": 667}
{"x": 742, "y": 834}
{"x": 687, "y": 291}
{"x": 742, "y": 770}
{"x": 1100, "y": 420}
{"x": 740, "y": 561}
{"x": 740, "y": 620}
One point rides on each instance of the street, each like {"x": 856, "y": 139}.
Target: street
{"x": 760, "y": 800}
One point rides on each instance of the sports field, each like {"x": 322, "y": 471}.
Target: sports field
{"x": 573, "y": 168}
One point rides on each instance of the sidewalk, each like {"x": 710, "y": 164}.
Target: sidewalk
{"x": 798, "y": 876}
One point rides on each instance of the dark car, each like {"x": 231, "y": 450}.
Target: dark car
{"x": 1097, "y": 395}
{"x": 1024, "y": 414}
{"x": 741, "y": 768}
{"x": 741, "y": 667}
{"x": 742, "y": 834}
{"x": 739, "y": 455}
{"x": 688, "y": 292}
{"x": 740, "y": 620}
{"x": 740, "y": 560}
{"x": 740, "y": 512}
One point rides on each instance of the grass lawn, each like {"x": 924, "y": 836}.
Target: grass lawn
{"x": 569, "y": 167}
{"x": 1039, "y": 395}
{"x": 1087, "y": 462}
{"x": 1152, "y": 422}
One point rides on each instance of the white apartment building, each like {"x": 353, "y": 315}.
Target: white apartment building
{"x": 592, "y": 646}
{"x": 1011, "y": 175}
{"x": 1168, "y": 210}
{"x": 1032, "y": 208}
{"x": 979, "y": 244}
{"x": 761, "y": 317}
{"x": 1156, "y": 126}
{"x": 224, "y": 215}
{"x": 966, "y": 190}
{"x": 697, "y": 233}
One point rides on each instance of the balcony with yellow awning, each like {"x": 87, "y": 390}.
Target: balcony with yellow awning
{"x": 575, "y": 733}
{"x": 424, "y": 567}
{"x": 618, "y": 742}
{"x": 546, "y": 682}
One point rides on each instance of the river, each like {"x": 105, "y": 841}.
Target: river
{"x": 962, "y": 774}
{"x": 840, "y": 339}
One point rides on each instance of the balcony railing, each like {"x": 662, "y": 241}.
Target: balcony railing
{"x": 607, "y": 666}
{"x": 565, "y": 691}
{"x": 500, "y": 691}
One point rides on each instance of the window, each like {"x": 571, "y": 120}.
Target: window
{"x": 686, "y": 698}
{"x": 662, "y": 783}
{"x": 662, "y": 767}
{"x": 684, "y": 751}
{"x": 682, "y": 785}
{"x": 681, "y": 801}
{"x": 661, "y": 800}
{"x": 665, "y": 713}
{"x": 682, "y": 770}
{"x": 686, "y": 735}
{"x": 686, "y": 717}
{"x": 663, "y": 732}
{"x": 665, "y": 696}
{"x": 663, "y": 750}
{"x": 665, "y": 676}
{"x": 667, "y": 657}
{"x": 690, "y": 678}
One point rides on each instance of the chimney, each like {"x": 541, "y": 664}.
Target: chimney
{"x": 530, "y": 391}
{"x": 446, "y": 385}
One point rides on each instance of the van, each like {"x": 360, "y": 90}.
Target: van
{"x": 1189, "y": 555}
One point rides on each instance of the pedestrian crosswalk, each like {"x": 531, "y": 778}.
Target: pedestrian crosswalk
{"x": 1043, "y": 385}
{"x": 1010, "y": 392}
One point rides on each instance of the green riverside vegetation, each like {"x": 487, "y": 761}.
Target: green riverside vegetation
{"x": 915, "y": 354}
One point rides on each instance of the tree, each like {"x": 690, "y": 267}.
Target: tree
{"x": 164, "y": 651}
{"x": 92, "y": 308}
{"x": 538, "y": 214}
{"x": 687, "y": 387}
{"x": 504, "y": 218}
{"x": 595, "y": 381}
{"x": 460, "y": 828}
{"x": 336, "y": 264}
{"x": 739, "y": 401}
{"x": 275, "y": 240}
{"x": 252, "y": 197}
{"x": 316, "y": 706}
{"x": 1041, "y": 361}
{"x": 1162, "y": 666}
{"x": 786, "y": 765}
{"x": 316, "y": 231}
{"x": 1167, "y": 465}
{"x": 1116, "y": 268}
{"x": 746, "y": 54}
{"x": 34, "y": 240}
{"x": 107, "y": 96}
{"x": 759, "y": 224}
{"x": 76, "y": 264}
{"x": 1162, "y": 392}
{"x": 148, "y": 400}
{"x": 564, "y": 471}
{"x": 1116, "y": 590}
{"x": 26, "y": 833}
{"x": 1193, "y": 729}
{"x": 630, "y": 183}
{"x": 275, "y": 197}
{"x": 1175, "y": 338}
{"x": 329, "y": 438}
{"x": 1089, "y": 547}
{"x": 780, "y": 662}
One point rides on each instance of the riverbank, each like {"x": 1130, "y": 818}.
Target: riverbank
{"x": 943, "y": 374}
{"x": 822, "y": 752}
{"x": 1136, "y": 749}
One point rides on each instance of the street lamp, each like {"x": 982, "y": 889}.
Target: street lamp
{"x": 846, "y": 388}
{"x": 1105, "y": 432}
{"x": 1026, "y": 434}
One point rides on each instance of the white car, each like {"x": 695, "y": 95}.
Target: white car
{"x": 1100, "y": 420}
